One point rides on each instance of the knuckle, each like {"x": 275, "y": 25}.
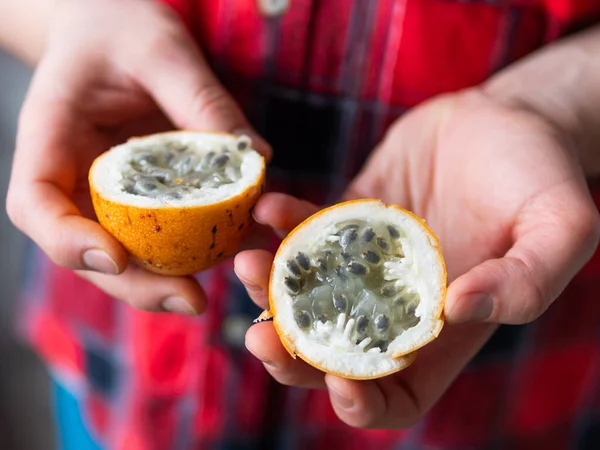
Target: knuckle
{"x": 61, "y": 254}
{"x": 537, "y": 304}
{"x": 535, "y": 308}
{"x": 536, "y": 297}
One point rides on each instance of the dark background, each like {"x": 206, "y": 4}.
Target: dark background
{"x": 25, "y": 419}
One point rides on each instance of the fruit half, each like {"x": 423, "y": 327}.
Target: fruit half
{"x": 358, "y": 288}
{"x": 179, "y": 202}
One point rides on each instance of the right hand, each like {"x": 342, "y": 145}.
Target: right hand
{"x": 112, "y": 69}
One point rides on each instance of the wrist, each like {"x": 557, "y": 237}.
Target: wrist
{"x": 560, "y": 84}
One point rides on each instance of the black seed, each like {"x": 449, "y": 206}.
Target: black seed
{"x": 303, "y": 261}
{"x": 292, "y": 285}
{"x": 368, "y": 235}
{"x": 348, "y": 237}
{"x": 388, "y": 291}
{"x": 242, "y": 145}
{"x": 146, "y": 159}
{"x": 162, "y": 175}
{"x": 340, "y": 303}
{"x": 340, "y": 273}
{"x": 208, "y": 158}
{"x": 362, "y": 323}
{"x": 302, "y": 319}
{"x": 410, "y": 309}
{"x": 371, "y": 257}
{"x": 357, "y": 268}
{"x": 168, "y": 158}
{"x": 322, "y": 318}
{"x": 293, "y": 268}
{"x": 220, "y": 161}
{"x": 321, "y": 263}
{"x": 346, "y": 256}
{"x": 393, "y": 232}
{"x": 382, "y": 243}
{"x": 145, "y": 186}
{"x": 382, "y": 322}
{"x": 184, "y": 164}
{"x": 173, "y": 196}
{"x": 383, "y": 345}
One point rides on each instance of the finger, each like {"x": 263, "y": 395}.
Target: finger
{"x": 253, "y": 268}
{"x": 43, "y": 178}
{"x": 196, "y": 100}
{"x": 152, "y": 292}
{"x": 400, "y": 400}
{"x": 67, "y": 238}
{"x": 360, "y": 404}
{"x": 282, "y": 212}
{"x": 263, "y": 342}
{"x": 519, "y": 287}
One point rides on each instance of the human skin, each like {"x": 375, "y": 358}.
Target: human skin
{"x": 497, "y": 170}
{"x": 105, "y": 71}
{"x": 499, "y": 173}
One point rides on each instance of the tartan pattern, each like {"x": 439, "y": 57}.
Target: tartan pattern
{"x": 322, "y": 82}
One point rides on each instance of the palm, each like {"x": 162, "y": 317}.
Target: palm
{"x": 476, "y": 172}
{"x": 111, "y": 115}
{"x": 489, "y": 180}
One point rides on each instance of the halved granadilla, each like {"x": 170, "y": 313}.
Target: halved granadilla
{"x": 356, "y": 289}
{"x": 179, "y": 202}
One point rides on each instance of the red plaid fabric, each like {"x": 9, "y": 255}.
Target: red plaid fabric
{"x": 322, "y": 80}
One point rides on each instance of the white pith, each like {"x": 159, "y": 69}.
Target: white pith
{"x": 328, "y": 345}
{"x": 107, "y": 173}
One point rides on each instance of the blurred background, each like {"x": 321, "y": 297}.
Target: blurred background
{"x": 25, "y": 420}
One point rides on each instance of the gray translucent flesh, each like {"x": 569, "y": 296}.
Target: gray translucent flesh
{"x": 171, "y": 171}
{"x": 346, "y": 276}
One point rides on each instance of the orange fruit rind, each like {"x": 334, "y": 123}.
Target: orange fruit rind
{"x": 184, "y": 228}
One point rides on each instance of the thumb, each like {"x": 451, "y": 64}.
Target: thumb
{"x": 177, "y": 76}
{"x": 519, "y": 287}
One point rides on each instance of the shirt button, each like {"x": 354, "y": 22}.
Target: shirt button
{"x": 234, "y": 329}
{"x": 273, "y": 8}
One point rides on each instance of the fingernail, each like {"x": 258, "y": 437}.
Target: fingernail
{"x": 178, "y": 305}
{"x": 99, "y": 261}
{"x": 478, "y": 307}
{"x": 338, "y": 398}
{"x": 258, "y": 143}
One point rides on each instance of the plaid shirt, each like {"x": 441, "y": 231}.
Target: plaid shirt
{"x": 322, "y": 80}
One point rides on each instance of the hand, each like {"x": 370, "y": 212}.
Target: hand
{"x": 112, "y": 69}
{"x": 507, "y": 198}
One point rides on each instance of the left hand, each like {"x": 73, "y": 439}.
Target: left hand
{"x": 506, "y": 196}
